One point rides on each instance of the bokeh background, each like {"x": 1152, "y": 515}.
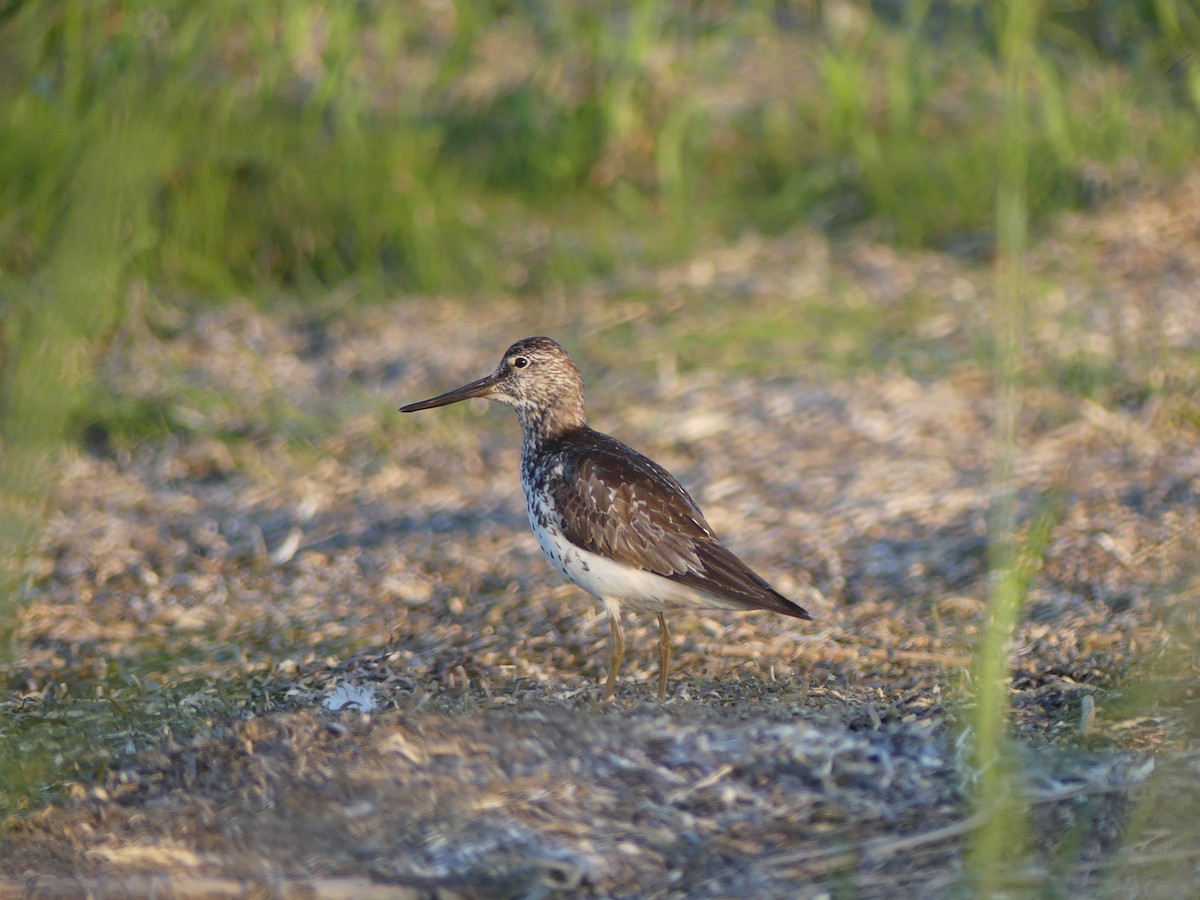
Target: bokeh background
{"x": 164, "y": 153}
{"x": 844, "y": 190}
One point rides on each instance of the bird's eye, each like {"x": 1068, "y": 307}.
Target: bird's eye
{"x": 520, "y": 362}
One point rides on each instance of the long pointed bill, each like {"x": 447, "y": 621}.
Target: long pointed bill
{"x": 478, "y": 388}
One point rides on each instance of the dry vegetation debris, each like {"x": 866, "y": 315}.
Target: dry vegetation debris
{"x": 204, "y": 590}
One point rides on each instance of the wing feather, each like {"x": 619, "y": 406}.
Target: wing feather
{"x": 620, "y": 504}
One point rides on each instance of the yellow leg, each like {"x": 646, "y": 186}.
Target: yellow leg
{"x": 618, "y": 653}
{"x": 664, "y": 656}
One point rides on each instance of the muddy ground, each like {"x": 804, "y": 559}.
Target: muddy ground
{"x": 250, "y": 535}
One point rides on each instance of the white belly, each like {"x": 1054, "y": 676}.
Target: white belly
{"x": 618, "y": 585}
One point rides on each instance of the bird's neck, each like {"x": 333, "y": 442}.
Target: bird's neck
{"x": 544, "y": 423}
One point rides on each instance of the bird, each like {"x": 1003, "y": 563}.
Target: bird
{"x": 611, "y": 520}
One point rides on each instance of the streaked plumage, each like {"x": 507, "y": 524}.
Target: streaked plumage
{"x": 612, "y": 521}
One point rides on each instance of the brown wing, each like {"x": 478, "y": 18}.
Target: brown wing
{"x": 616, "y": 502}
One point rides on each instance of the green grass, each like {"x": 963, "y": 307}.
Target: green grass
{"x": 296, "y": 147}
{"x": 90, "y": 716}
{"x": 840, "y": 333}
{"x": 1004, "y": 837}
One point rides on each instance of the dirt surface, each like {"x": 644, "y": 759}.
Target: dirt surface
{"x": 283, "y": 542}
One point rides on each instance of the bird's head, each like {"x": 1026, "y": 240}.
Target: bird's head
{"x": 537, "y": 379}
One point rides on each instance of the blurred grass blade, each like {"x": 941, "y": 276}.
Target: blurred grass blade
{"x": 1002, "y": 836}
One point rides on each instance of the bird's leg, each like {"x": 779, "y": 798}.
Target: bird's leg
{"x": 664, "y": 656}
{"x": 618, "y": 652}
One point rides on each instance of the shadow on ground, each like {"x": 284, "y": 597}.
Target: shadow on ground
{"x": 202, "y": 598}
